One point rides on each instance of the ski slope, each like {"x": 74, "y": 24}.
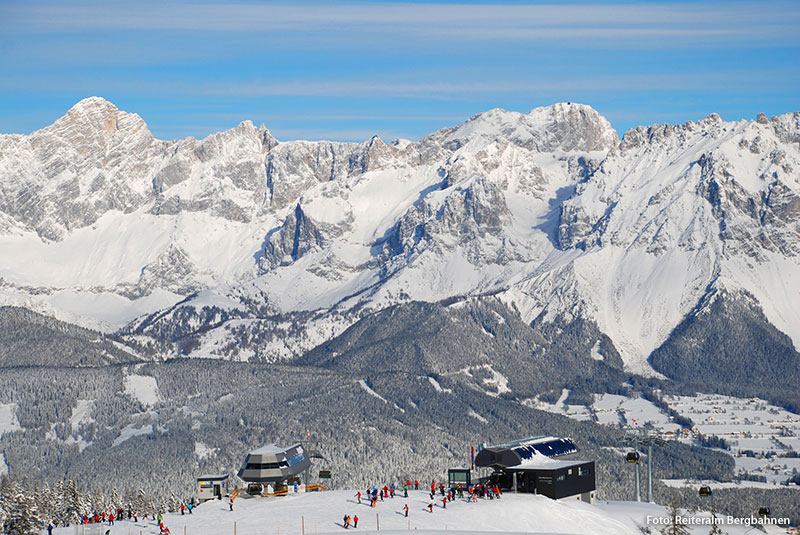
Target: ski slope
{"x": 322, "y": 512}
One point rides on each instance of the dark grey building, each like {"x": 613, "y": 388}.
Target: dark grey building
{"x": 540, "y": 465}
{"x": 274, "y": 464}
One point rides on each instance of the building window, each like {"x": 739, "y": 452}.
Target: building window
{"x": 265, "y": 466}
{"x": 584, "y": 472}
{"x": 561, "y": 477}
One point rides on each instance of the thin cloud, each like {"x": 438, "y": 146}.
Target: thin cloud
{"x": 455, "y": 85}
{"x": 703, "y": 22}
{"x": 709, "y": 80}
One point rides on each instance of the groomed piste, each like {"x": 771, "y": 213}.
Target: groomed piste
{"x": 316, "y": 513}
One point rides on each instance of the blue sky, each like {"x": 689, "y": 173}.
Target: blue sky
{"x": 346, "y": 71}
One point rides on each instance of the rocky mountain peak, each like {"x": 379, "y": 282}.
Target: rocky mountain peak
{"x": 97, "y": 115}
{"x": 545, "y": 206}
{"x": 563, "y": 127}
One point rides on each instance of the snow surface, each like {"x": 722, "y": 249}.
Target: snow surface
{"x": 436, "y": 386}
{"x": 471, "y": 412}
{"x": 8, "y": 418}
{"x": 203, "y": 451}
{"x": 81, "y": 413}
{"x": 322, "y": 512}
{"x": 576, "y": 412}
{"x": 370, "y": 391}
{"x": 130, "y": 431}
{"x": 142, "y": 388}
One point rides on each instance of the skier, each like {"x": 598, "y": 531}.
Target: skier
{"x": 231, "y": 504}
{"x": 49, "y": 528}
{"x": 191, "y": 506}
{"x": 405, "y": 491}
{"x": 358, "y": 495}
{"x": 441, "y": 488}
{"x": 355, "y": 521}
{"x": 182, "y": 508}
{"x": 430, "y": 506}
{"x": 346, "y": 521}
{"x": 111, "y": 519}
{"x": 405, "y": 508}
{"x": 416, "y": 485}
{"x": 444, "y": 502}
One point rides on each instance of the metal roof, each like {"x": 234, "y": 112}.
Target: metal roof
{"x": 212, "y": 477}
{"x": 527, "y": 448}
{"x": 271, "y": 449}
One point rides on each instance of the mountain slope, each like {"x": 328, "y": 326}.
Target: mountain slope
{"x": 30, "y": 339}
{"x": 240, "y": 246}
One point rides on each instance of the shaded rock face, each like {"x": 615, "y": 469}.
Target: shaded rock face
{"x": 297, "y": 236}
{"x": 465, "y": 218}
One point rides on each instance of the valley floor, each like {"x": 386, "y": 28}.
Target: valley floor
{"x": 322, "y": 512}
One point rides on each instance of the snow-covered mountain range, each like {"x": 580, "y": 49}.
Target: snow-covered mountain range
{"x": 239, "y": 234}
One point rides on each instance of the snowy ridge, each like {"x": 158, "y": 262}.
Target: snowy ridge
{"x": 240, "y": 235}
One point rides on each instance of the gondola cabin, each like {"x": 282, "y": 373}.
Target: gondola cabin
{"x": 705, "y": 491}
{"x": 212, "y": 486}
{"x": 764, "y": 511}
{"x": 632, "y": 457}
{"x": 274, "y": 464}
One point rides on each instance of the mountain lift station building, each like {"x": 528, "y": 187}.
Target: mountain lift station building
{"x": 540, "y": 465}
{"x": 273, "y": 464}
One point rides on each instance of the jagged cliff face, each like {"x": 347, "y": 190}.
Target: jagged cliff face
{"x": 288, "y": 243}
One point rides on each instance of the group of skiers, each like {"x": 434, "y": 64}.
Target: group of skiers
{"x": 346, "y": 521}
{"x": 132, "y": 514}
{"x": 473, "y": 492}
{"x": 373, "y": 493}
